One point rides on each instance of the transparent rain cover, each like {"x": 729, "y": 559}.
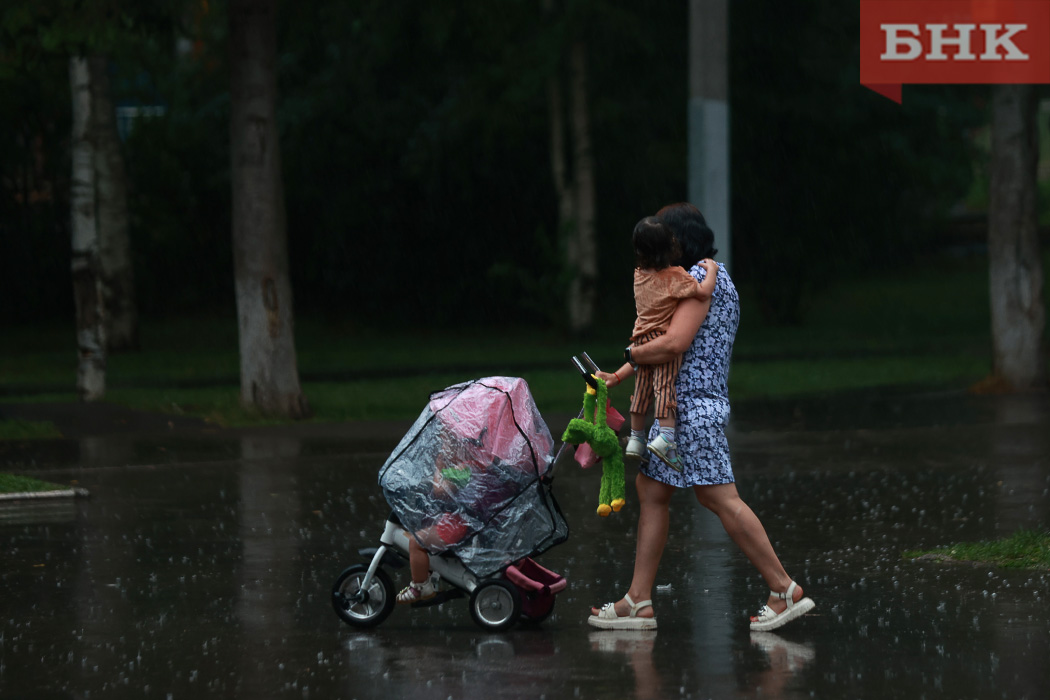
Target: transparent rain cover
{"x": 472, "y": 476}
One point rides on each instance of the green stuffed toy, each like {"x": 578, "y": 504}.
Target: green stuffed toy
{"x": 595, "y": 431}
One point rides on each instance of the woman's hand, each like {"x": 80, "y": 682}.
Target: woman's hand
{"x": 685, "y": 323}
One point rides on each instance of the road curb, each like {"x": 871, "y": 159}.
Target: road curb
{"x": 42, "y": 495}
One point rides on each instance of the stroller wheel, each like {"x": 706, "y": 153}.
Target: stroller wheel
{"x": 358, "y": 607}
{"x": 495, "y": 605}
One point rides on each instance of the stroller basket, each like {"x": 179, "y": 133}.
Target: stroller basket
{"x": 538, "y": 587}
{"x": 530, "y": 577}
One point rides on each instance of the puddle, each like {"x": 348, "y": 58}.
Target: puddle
{"x": 201, "y": 566}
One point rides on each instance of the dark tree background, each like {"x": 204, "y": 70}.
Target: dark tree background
{"x": 415, "y": 147}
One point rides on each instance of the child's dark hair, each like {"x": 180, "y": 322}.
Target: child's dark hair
{"x": 654, "y": 245}
{"x": 691, "y": 231}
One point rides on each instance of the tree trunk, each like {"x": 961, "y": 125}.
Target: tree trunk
{"x": 566, "y": 200}
{"x": 583, "y": 250}
{"x": 1015, "y": 266}
{"x": 114, "y": 248}
{"x": 87, "y": 285}
{"x": 269, "y": 375}
{"x": 576, "y": 196}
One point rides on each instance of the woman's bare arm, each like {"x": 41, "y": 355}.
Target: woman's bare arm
{"x": 685, "y": 323}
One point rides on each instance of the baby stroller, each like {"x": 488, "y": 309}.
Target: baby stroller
{"x": 471, "y": 482}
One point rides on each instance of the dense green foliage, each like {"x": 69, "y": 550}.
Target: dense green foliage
{"x": 37, "y": 37}
{"x": 828, "y": 177}
{"x": 34, "y": 200}
{"x": 415, "y": 143}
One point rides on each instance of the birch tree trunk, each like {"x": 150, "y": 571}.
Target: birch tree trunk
{"x": 111, "y": 186}
{"x": 87, "y": 284}
{"x": 1015, "y": 265}
{"x": 269, "y": 374}
{"x": 576, "y": 195}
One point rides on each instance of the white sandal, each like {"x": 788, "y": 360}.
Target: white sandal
{"x": 607, "y": 619}
{"x": 415, "y": 592}
{"x": 768, "y": 620}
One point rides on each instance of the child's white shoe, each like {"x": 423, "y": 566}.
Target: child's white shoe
{"x": 415, "y": 592}
{"x": 635, "y": 451}
{"x": 667, "y": 451}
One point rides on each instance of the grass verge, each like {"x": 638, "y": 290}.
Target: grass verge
{"x": 1025, "y": 549}
{"x": 11, "y": 483}
{"x": 920, "y": 328}
{"x": 27, "y": 430}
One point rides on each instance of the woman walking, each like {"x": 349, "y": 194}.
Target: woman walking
{"x": 703, "y": 331}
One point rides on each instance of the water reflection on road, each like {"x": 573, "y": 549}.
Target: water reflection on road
{"x": 201, "y": 567}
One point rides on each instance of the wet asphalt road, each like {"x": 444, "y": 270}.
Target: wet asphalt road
{"x": 201, "y": 566}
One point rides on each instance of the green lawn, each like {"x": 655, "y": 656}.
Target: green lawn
{"x": 923, "y": 327}
{"x": 27, "y": 430}
{"x": 1025, "y": 549}
{"x": 9, "y": 483}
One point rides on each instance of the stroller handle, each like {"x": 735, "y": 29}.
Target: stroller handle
{"x": 589, "y": 363}
{"x": 587, "y": 368}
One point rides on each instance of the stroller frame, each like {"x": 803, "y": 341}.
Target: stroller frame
{"x": 364, "y": 594}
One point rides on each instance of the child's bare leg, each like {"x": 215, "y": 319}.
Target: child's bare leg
{"x": 418, "y": 561}
{"x": 419, "y": 564}
{"x": 638, "y": 421}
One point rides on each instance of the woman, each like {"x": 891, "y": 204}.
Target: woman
{"x": 704, "y": 332}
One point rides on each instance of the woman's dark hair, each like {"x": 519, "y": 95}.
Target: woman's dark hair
{"x": 695, "y": 238}
{"x": 654, "y": 245}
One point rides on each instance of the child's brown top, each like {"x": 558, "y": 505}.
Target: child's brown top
{"x": 656, "y": 296}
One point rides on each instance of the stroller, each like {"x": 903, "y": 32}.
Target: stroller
{"x": 471, "y": 482}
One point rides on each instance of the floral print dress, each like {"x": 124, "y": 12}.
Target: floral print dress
{"x": 703, "y": 395}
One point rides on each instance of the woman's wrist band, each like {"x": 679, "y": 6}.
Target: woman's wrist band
{"x": 627, "y": 356}
{"x": 617, "y": 375}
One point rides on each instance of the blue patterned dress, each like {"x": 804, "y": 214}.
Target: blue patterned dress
{"x": 703, "y": 395}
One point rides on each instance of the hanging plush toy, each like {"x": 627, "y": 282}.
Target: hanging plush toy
{"x": 594, "y": 430}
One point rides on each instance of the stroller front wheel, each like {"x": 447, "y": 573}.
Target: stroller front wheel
{"x": 495, "y": 605}
{"x": 359, "y": 607}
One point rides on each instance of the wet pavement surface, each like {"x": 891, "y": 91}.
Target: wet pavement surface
{"x": 202, "y": 564}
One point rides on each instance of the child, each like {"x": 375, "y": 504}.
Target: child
{"x": 464, "y": 487}
{"x": 658, "y": 286}
{"x": 448, "y": 528}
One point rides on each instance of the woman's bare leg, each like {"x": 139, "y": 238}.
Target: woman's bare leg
{"x": 654, "y": 500}
{"x": 745, "y": 529}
